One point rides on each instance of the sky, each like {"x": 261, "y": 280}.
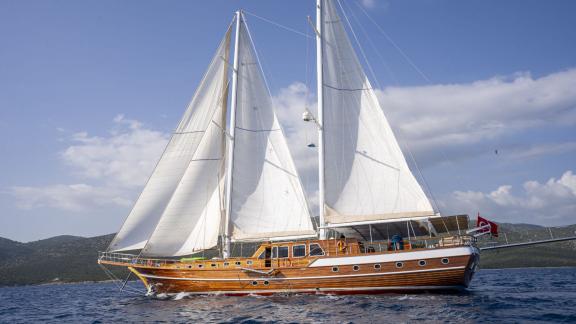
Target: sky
{"x": 481, "y": 93}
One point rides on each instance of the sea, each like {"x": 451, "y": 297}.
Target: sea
{"x": 508, "y": 296}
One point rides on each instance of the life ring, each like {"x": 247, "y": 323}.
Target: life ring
{"x": 341, "y": 246}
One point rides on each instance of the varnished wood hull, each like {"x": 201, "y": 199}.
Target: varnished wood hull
{"x": 448, "y": 268}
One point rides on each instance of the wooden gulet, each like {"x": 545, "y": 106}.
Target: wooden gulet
{"x": 341, "y": 266}
{"x": 222, "y": 181}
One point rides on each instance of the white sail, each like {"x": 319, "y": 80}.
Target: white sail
{"x": 366, "y": 175}
{"x": 267, "y": 200}
{"x": 191, "y": 221}
{"x": 177, "y": 157}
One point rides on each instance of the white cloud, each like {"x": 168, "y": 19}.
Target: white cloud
{"x": 549, "y": 203}
{"x": 125, "y": 158}
{"x": 368, "y": 3}
{"x": 539, "y": 150}
{"x": 453, "y": 117}
{"x": 115, "y": 167}
{"x": 74, "y": 197}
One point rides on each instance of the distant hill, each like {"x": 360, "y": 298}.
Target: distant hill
{"x": 561, "y": 254}
{"x": 57, "y": 259}
{"x": 72, "y": 259}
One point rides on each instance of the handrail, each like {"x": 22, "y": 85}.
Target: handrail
{"x": 365, "y": 248}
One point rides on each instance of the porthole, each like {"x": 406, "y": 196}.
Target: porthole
{"x": 249, "y": 262}
{"x": 399, "y": 265}
{"x": 254, "y": 283}
{"x": 356, "y": 268}
{"x": 200, "y": 266}
{"x": 445, "y": 261}
{"x": 335, "y": 269}
{"x": 213, "y": 265}
{"x": 266, "y": 283}
{"x": 189, "y": 267}
{"x": 238, "y": 263}
{"x": 226, "y": 264}
{"x": 422, "y": 263}
{"x": 377, "y": 267}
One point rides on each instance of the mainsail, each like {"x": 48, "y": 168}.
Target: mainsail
{"x": 267, "y": 199}
{"x": 178, "y": 156}
{"x": 366, "y": 177}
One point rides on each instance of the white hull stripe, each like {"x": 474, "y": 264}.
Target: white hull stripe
{"x": 394, "y": 257}
{"x": 319, "y": 290}
{"x": 301, "y": 278}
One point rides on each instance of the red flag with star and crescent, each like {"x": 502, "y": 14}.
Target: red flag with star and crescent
{"x": 493, "y": 229}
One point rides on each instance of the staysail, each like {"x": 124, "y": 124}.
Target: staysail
{"x": 182, "y": 157}
{"x": 366, "y": 177}
{"x": 267, "y": 199}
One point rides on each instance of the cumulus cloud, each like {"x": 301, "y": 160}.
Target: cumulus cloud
{"x": 290, "y": 103}
{"x": 452, "y": 117}
{"x": 549, "y": 203}
{"x": 123, "y": 158}
{"x": 112, "y": 168}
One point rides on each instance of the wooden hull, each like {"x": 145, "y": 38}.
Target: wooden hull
{"x": 426, "y": 269}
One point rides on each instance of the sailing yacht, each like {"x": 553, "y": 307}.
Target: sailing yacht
{"x": 226, "y": 181}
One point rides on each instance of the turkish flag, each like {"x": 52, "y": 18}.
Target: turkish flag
{"x": 483, "y": 222}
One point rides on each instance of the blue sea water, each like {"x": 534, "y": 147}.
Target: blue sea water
{"x": 513, "y": 295}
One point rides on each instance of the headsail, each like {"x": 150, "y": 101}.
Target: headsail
{"x": 195, "y": 129}
{"x": 267, "y": 200}
{"x": 366, "y": 175}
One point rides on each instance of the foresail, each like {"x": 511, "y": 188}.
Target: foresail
{"x": 366, "y": 175}
{"x": 177, "y": 156}
{"x": 267, "y": 200}
{"x": 191, "y": 221}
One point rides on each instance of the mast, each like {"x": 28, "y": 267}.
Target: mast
{"x": 320, "y": 119}
{"x": 226, "y": 249}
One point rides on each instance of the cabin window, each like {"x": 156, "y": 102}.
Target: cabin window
{"x": 316, "y": 249}
{"x": 249, "y": 262}
{"x": 282, "y": 252}
{"x": 200, "y": 266}
{"x": 213, "y": 265}
{"x": 238, "y": 263}
{"x": 356, "y": 268}
{"x": 274, "y": 252}
{"x": 226, "y": 264}
{"x": 399, "y": 265}
{"x": 422, "y": 263}
{"x": 266, "y": 283}
{"x": 445, "y": 261}
{"x": 335, "y": 269}
{"x": 377, "y": 267}
{"x": 190, "y": 267}
{"x": 254, "y": 283}
{"x": 299, "y": 251}
{"x": 262, "y": 255}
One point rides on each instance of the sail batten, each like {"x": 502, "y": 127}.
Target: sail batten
{"x": 366, "y": 176}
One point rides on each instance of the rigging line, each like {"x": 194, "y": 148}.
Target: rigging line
{"x": 359, "y": 45}
{"x": 277, "y": 24}
{"x": 374, "y": 47}
{"x": 404, "y": 55}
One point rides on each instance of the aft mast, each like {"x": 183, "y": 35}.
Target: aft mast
{"x": 230, "y": 156}
{"x": 320, "y": 120}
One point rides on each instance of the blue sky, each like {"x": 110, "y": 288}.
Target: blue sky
{"x": 89, "y": 92}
